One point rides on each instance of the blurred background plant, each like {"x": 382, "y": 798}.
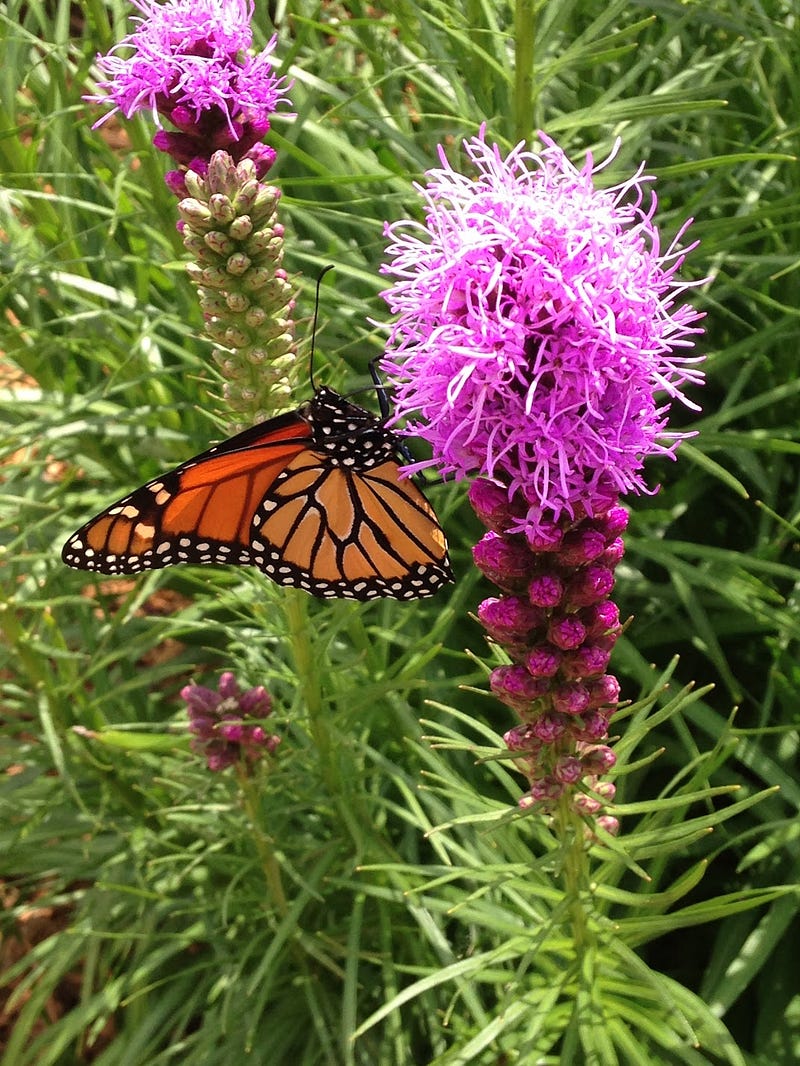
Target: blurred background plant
{"x": 136, "y": 924}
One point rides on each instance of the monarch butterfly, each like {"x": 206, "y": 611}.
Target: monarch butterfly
{"x": 312, "y": 497}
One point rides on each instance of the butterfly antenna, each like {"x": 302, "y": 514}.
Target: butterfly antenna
{"x": 322, "y": 274}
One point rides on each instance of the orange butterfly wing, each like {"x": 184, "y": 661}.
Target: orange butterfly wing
{"x": 200, "y": 512}
{"x": 357, "y": 534}
{"x": 313, "y": 498}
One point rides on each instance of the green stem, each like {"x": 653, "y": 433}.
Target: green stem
{"x": 575, "y": 872}
{"x": 269, "y": 863}
{"x": 308, "y": 673}
{"x": 337, "y": 768}
{"x": 524, "y": 38}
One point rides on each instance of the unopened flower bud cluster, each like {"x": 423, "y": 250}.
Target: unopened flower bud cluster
{"x": 227, "y": 723}
{"x": 557, "y": 625}
{"x": 229, "y": 224}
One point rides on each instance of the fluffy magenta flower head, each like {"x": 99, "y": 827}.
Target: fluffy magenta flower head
{"x": 190, "y": 62}
{"x": 540, "y": 336}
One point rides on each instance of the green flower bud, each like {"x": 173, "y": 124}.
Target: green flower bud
{"x": 238, "y": 264}
{"x": 241, "y": 227}
{"x": 219, "y": 243}
{"x": 237, "y": 301}
{"x": 222, "y": 210}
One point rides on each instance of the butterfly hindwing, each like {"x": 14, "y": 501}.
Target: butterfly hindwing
{"x": 313, "y": 498}
{"x": 357, "y": 534}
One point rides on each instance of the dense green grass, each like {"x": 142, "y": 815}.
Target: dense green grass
{"x": 394, "y": 947}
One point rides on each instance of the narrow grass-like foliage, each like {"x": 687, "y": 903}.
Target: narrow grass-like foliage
{"x": 425, "y": 920}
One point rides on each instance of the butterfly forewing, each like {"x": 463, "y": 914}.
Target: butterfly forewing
{"x": 313, "y": 498}
{"x": 201, "y": 512}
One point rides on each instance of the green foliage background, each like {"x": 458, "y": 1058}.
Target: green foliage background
{"x": 396, "y": 947}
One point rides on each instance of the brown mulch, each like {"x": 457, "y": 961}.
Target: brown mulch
{"x": 34, "y": 922}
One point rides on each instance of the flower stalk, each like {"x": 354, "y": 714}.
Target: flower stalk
{"x": 227, "y": 728}
{"x": 575, "y": 874}
{"x": 303, "y": 653}
{"x": 538, "y": 344}
{"x": 250, "y": 798}
{"x": 524, "y": 40}
{"x": 190, "y": 63}
{"x": 557, "y": 626}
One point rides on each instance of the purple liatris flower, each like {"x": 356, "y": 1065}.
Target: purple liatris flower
{"x": 189, "y": 62}
{"x": 227, "y": 723}
{"x": 539, "y": 342}
{"x": 537, "y": 319}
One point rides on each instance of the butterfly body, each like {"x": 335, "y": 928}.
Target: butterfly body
{"x": 313, "y": 498}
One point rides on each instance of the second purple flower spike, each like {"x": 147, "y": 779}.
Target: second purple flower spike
{"x": 190, "y": 63}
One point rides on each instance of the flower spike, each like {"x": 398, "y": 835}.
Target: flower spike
{"x": 538, "y": 345}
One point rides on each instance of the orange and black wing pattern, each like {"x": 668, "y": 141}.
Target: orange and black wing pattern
{"x": 312, "y": 498}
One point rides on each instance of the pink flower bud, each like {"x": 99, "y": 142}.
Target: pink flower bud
{"x": 256, "y": 702}
{"x": 509, "y": 618}
{"x": 546, "y": 789}
{"x": 600, "y": 618}
{"x": 544, "y": 537}
{"x": 546, "y": 590}
{"x": 571, "y": 698}
{"x": 227, "y": 687}
{"x": 590, "y": 585}
{"x": 504, "y": 561}
{"x": 614, "y": 521}
{"x": 581, "y": 546}
{"x": 200, "y": 699}
{"x": 568, "y": 770}
{"x": 590, "y": 727}
{"x": 587, "y": 804}
{"x": 613, "y": 554}
{"x": 566, "y": 632}
{"x": 588, "y": 661}
{"x": 598, "y": 760}
{"x": 549, "y": 728}
{"x": 609, "y": 823}
{"x": 522, "y": 738}
{"x": 231, "y": 731}
{"x": 490, "y": 503}
{"x": 604, "y": 691}
{"x": 515, "y": 686}
{"x": 607, "y": 790}
{"x": 543, "y": 661}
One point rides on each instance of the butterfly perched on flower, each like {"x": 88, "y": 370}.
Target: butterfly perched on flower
{"x": 313, "y": 498}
